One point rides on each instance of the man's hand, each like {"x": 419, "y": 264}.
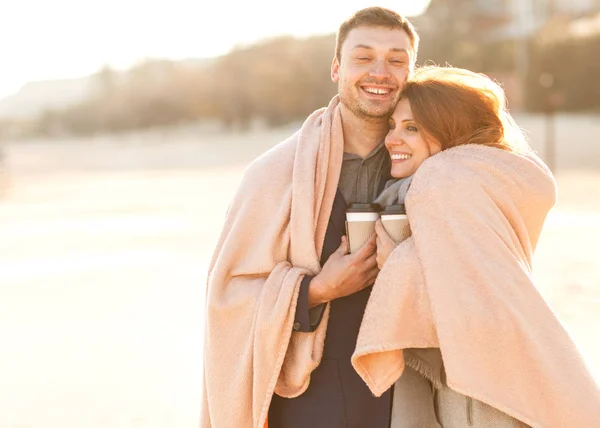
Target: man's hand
{"x": 385, "y": 244}
{"x": 344, "y": 274}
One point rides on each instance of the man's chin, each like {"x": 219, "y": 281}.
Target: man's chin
{"x": 376, "y": 113}
{"x": 377, "y": 109}
{"x": 367, "y": 109}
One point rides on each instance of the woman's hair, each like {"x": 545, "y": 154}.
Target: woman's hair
{"x": 456, "y": 106}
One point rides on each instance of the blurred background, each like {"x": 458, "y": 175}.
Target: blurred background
{"x": 125, "y": 127}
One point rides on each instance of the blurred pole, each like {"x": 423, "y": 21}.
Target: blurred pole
{"x": 523, "y": 19}
{"x": 3, "y": 171}
{"x": 521, "y": 67}
{"x": 551, "y": 137}
{"x": 547, "y": 82}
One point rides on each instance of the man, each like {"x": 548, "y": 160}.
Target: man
{"x": 284, "y": 224}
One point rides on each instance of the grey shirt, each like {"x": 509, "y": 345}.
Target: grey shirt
{"x": 360, "y": 178}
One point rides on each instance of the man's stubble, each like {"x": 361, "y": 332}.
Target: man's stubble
{"x": 363, "y": 109}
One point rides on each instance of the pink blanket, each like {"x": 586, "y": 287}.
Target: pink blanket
{"x": 463, "y": 283}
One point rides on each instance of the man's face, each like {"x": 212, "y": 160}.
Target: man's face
{"x": 375, "y": 62}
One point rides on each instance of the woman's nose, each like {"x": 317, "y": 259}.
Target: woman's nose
{"x": 392, "y": 141}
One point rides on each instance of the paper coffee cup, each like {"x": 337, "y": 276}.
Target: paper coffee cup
{"x": 395, "y": 222}
{"x": 360, "y": 224}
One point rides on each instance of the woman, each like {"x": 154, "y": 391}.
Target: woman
{"x": 457, "y": 107}
{"x": 456, "y": 302}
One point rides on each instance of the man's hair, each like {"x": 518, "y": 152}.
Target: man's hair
{"x": 376, "y": 17}
{"x": 455, "y": 106}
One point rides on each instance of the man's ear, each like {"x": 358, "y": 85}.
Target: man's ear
{"x": 335, "y": 70}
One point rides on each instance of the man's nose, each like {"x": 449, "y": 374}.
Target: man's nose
{"x": 380, "y": 69}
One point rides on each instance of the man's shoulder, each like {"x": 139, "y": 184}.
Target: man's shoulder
{"x": 269, "y": 174}
{"x": 277, "y": 161}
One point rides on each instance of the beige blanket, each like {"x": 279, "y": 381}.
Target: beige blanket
{"x": 273, "y": 235}
{"x": 463, "y": 283}
{"x": 500, "y": 342}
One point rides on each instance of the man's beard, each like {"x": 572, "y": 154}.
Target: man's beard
{"x": 362, "y": 109}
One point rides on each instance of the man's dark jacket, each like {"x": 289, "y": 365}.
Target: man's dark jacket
{"x": 336, "y": 397}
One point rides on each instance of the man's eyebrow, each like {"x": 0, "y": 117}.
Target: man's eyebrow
{"x": 362, "y": 46}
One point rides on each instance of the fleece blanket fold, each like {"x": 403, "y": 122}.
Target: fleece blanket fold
{"x": 273, "y": 235}
{"x": 463, "y": 283}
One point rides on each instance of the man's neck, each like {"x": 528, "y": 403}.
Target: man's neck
{"x": 362, "y": 136}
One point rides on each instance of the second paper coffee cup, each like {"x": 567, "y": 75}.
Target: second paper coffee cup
{"x": 360, "y": 223}
{"x": 395, "y": 222}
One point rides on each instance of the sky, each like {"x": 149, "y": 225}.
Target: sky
{"x": 55, "y": 39}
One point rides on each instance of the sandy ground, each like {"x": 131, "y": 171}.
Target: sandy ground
{"x": 104, "y": 246}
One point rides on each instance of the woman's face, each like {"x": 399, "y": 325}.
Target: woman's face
{"x": 406, "y": 142}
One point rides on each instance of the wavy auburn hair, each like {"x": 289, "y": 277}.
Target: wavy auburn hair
{"x": 456, "y": 106}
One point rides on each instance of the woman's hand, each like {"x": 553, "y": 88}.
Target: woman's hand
{"x": 385, "y": 244}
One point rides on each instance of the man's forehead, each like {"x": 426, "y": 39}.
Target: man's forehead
{"x": 377, "y": 38}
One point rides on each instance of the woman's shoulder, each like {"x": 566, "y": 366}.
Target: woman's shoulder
{"x": 474, "y": 160}
{"x": 471, "y": 168}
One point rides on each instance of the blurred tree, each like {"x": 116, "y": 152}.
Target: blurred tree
{"x": 104, "y": 82}
{"x": 574, "y": 64}
{"x": 461, "y": 33}
{"x": 279, "y": 80}
{"x": 276, "y": 81}
{"x": 284, "y": 79}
